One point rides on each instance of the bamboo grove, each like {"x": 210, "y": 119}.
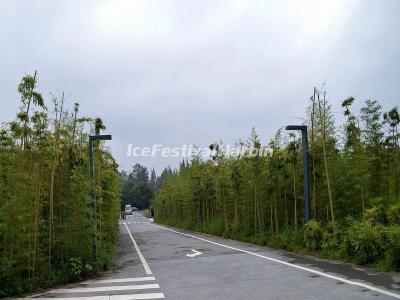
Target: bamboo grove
{"x": 46, "y": 229}
{"x": 355, "y": 187}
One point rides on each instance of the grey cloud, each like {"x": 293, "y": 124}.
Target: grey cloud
{"x": 180, "y": 72}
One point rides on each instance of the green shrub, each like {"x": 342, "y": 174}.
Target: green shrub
{"x": 88, "y": 270}
{"x": 391, "y": 261}
{"x": 371, "y": 215}
{"x": 75, "y": 268}
{"x": 216, "y": 227}
{"x": 313, "y": 235}
{"x": 377, "y": 201}
{"x": 363, "y": 242}
{"x": 287, "y": 240}
{"x": 377, "y": 213}
{"x": 393, "y": 214}
{"x": 329, "y": 241}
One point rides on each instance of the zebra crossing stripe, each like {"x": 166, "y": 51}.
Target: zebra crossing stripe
{"x": 107, "y": 288}
{"x": 119, "y": 280}
{"x": 133, "y": 222}
{"x": 115, "y": 297}
{"x": 138, "y": 296}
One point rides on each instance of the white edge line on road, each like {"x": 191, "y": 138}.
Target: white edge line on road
{"x": 372, "y": 288}
{"x": 142, "y": 259}
{"x": 118, "y": 280}
{"x": 106, "y": 288}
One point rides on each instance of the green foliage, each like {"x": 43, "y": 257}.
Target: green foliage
{"x": 313, "y": 235}
{"x": 45, "y": 192}
{"x": 391, "y": 260}
{"x": 354, "y": 185}
{"x": 363, "y": 242}
{"x": 330, "y": 241}
{"x": 216, "y": 227}
{"x": 137, "y": 189}
{"x": 75, "y": 268}
{"x": 393, "y": 214}
{"x": 288, "y": 240}
{"x": 372, "y": 215}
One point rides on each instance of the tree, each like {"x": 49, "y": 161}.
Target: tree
{"x": 28, "y": 95}
{"x": 45, "y": 194}
{"x": 253, "y": 197}
{"x": 323, "y": 115}
{"x": 372, "y": 134}
{"x": 354, "y": 157}
{"x": 392, "y": 118}
{"x": 137, "y": 189}
{"x": 98, "y": 126}
{"x": 153, "y": 180}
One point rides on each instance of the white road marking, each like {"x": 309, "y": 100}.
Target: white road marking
{"x": 142, "y": 259}
{"x": 372, "y": 288}
{"x": 138, "y": 296}
{"x": 194, "y": 254}
{"x": 117, "y": 280}
{"x": 107, "y": 288}
{"x": 114, "y": 297}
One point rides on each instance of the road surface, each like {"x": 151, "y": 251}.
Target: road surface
{"x": 159, "y": 262}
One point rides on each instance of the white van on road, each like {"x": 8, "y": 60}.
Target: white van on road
{"x": 128, "y": 210}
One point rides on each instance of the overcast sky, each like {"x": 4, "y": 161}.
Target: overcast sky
{"x": 197, "y": 72}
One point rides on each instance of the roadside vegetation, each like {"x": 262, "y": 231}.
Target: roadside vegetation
{"x": 138, "y": 188}
{"x": 355, "y": 188}
{"x": 46, "y": 215}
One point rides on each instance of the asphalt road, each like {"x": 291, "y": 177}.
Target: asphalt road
{"x": 157, "y": 262}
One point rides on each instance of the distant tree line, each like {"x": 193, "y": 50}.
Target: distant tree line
{"x": 46, "y": 207}
{"x": 355, "y": 188}
{"x": 138, "y": 187}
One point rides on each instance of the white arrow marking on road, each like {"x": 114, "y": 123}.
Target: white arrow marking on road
{"x": 194, "y": 254}
{"x": 356, "y": 283}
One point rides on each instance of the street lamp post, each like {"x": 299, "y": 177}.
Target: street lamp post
{"x": 306, "y": 170}
{"x": 93, "y": 138}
